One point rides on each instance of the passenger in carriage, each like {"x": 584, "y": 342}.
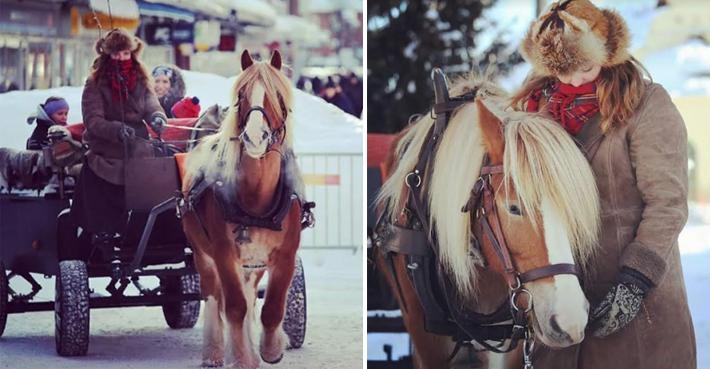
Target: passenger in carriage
{"x": 169, "y": 86}
{"x": 53, "y": 113}
{"x": 117, "y": 100}
{"x": 634, "y": 137}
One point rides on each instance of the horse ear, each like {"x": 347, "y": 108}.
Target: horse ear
{"x": 276, "y": 60}
{"x": 247, "y": 61}
{"x": 492, "y": 132}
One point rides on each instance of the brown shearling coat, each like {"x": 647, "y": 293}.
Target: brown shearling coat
{"x": 104, "y": 118}
{"x": 641, "y": 173}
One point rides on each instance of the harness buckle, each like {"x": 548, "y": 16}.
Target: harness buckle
{"x": 513, "y": 298}
{"x": 413, "y": 175}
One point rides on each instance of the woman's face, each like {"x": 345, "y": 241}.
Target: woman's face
{"x": 60, "y": 116}
{"x": 121, "y": 55}
{"x": 584, "y": 75}
{"x": 162, "y": 85}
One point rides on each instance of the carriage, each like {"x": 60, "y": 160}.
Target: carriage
{"x": 35, "y": 226}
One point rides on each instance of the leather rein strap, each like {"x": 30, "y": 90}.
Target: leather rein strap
{"x": 486, "y": 213}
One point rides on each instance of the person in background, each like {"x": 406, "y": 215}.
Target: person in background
{"x": 53, "y": 112}
{"x": 352, "y": 87}
{"x": 634, "y": 137}
{"x": 117, "y": 100}
{"x": 169, "y": 86}
{"x": 332, "y": 94}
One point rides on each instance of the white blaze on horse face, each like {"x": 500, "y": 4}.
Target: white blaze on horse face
{"x": 256, "y": 131}
{"x": 561, "y": 309}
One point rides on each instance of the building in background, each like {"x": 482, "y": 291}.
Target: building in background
{"x": 50, "y": 43}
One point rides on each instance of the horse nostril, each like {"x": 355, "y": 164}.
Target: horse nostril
{"x": 246, "y": 138}
{"x": 265, "y": 135}
{"x": 556, "y": 326}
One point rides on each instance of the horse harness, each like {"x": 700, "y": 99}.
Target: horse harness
{"x": 273, "y": 136}
{"x": 417, "y": 242}
{"x": 232, "y": 209}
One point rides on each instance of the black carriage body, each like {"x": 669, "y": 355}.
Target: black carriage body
{"x": 33, "y": 228}
{"x": 28, "y": 242}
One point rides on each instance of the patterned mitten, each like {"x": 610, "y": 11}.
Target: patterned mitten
{"x": 621, "y": 304}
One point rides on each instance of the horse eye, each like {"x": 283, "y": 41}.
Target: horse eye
{"x": 514, "y": 209}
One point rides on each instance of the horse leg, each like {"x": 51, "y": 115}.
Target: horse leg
{"x": 211, "y": 290}
{"x": 236, "y": 308}
{"x": 213, "y": 330}
{"x": 273, "y": 338}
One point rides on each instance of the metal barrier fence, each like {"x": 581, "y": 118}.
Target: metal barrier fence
{"x": 334, "y": 182}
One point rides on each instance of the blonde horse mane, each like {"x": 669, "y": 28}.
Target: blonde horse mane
{"x": 543, "y": 163}
{"x": 218, "y": 154}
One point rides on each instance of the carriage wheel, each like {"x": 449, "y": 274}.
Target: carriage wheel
{"x": 71, "y": 309}
{"x": 4, "y": 291}
{"x": 181, "y": 314}
{"x": 295, "y": 321}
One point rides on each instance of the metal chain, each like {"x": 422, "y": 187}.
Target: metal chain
{"x": 528, "y": 346}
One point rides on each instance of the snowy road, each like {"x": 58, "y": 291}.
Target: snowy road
{"x": 138, "y": 338}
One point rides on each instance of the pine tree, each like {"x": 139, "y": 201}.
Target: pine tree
{"x": 406, "y": 40}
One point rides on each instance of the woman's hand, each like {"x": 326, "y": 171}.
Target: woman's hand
{"x": 126, "y": 133}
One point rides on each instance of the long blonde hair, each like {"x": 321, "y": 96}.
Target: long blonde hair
{"x": 619, "y": 91}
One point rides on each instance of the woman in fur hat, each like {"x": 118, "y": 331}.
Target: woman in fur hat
{"x": 169, "y": 86}
{"x": 635, "y": 140}
{"x": 117, "y": 100}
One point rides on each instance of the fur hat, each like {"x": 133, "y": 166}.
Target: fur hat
{"x": 118, "y": 39}
{"x": 570, "y": 34}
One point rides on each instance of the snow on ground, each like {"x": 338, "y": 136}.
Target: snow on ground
{"x": 319, "y": 127}
{"x": 138, "y": 338}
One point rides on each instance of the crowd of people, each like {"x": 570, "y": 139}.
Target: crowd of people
{"x": 344, "y": 91}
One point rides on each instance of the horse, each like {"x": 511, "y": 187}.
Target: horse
{"x": 498, "y": 178}
{"x": 244, "y": 219}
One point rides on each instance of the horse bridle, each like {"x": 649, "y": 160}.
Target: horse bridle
{"x": 485, "y": 212}
{"x": 275, "y": 137}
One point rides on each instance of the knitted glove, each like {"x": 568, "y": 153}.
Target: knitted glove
{"x": 126, "y": 133}
{"x": 57, "y": 132}
{"x": 621, "y": 304}
{"x": 158, "y": 123}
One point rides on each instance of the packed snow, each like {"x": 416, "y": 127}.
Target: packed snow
{"x": 138, "y": 338}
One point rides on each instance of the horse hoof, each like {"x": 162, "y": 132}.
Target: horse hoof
{"x": 209, "y": 363}
{"x": 278, "y": 359}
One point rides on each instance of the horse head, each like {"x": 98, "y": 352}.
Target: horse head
{"x": 546, "y": 208}
{"x": 542, "y": 207}
{"x": 261, "y": 105}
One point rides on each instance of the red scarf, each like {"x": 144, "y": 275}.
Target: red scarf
{"x": 570, "y": 106}
{"x": 123, "y": 78}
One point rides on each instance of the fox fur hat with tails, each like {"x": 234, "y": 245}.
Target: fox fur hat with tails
{"x": 118, "y": 39}
{"x": 572, "y": 34}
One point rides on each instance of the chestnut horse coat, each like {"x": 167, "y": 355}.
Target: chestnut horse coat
{"x": 641, "y": 173}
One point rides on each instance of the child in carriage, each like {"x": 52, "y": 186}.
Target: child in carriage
{"x": 52, "y": 115}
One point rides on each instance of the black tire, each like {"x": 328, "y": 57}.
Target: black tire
{"x": 181, "y": 314}
{"x": 4, "y": 291}
{"x": 71, "y": 309}
{"x": 295, "y": 321}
